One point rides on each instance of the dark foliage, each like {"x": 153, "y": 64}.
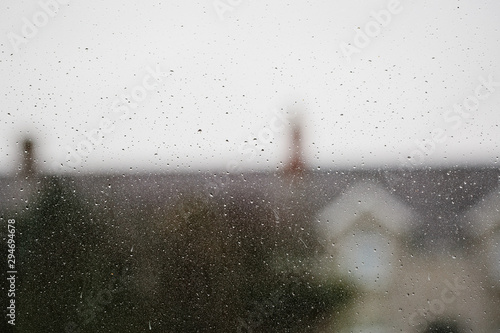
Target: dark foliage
{"x": 199, "y": 266}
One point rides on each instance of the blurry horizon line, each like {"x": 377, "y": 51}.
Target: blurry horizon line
{"x": 393, "y": 165}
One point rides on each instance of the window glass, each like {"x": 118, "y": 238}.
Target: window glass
{"x": 249, "y": 166}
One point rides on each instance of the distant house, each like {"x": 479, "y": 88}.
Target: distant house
{"x": 373, "y": 237}
{"x": 365, "y": 230}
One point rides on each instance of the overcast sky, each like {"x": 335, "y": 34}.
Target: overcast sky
{"x": 225, "y": 72}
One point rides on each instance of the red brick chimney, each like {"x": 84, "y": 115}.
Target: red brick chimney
{"x": 296, "y": 165}
{"x": 28, "y": 168}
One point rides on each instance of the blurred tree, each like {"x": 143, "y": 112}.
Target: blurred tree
{"x": 63, "y": 260}
{"x": 218, "y": 276}
{"x": 199, "y": 266}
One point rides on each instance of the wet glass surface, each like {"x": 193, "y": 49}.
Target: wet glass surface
{"x": 246, "y": 166}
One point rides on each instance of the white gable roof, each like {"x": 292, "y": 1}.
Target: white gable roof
{"x": 365, "y": 197}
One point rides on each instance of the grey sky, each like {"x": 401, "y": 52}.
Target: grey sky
{"x": 225, "y": 76}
